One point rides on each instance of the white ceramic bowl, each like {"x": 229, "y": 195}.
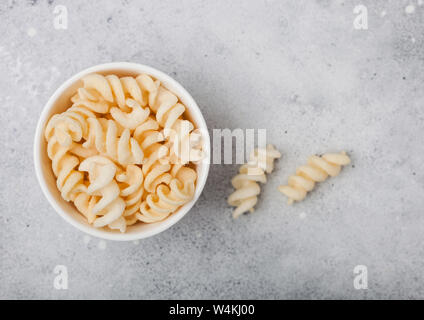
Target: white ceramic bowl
{"x": 60, "y": 101}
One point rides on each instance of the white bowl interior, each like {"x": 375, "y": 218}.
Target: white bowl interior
{"x": 60, "y": 101}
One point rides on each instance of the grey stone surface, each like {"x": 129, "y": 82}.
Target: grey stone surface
{"x": 298, "y": 69}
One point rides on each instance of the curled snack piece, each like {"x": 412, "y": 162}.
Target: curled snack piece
{"x": 133, "y": 119}
{"x": 168, "y": 197}
{"x": 104, "y": 136}
{"x": 131, "y": 185}
{"x": 317, "y": 170}
{"x": 246, "y": 182}
{"x": 70, "y": 182}
{"x": 101, "y": 173}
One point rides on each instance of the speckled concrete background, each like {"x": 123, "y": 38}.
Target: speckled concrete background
{"x": 298, "y": 69}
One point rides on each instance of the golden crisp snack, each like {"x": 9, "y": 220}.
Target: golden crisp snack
{"x": 317, "y": 170}
{"x": 245, "y": 197}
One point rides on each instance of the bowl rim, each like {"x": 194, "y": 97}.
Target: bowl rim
{"x": 193, "y": 109}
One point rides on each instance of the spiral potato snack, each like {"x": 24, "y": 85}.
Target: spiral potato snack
{"x": 183, "y": 143}
{"x": 70, "y": 125}
{"x": 149, "y": 136}
{"x": 246, "y": 182}
{"x": 131, "y": 185}
{"x": 168, "y": 198}
{"x": 110, "y": 206}
{"x": 317, "y": 170}
{"x": 167, "y": 109}
{"x": 112, "y": 89}
{"x": 69, "y": 181}
{"x": 104, "y": 136}
{"x": 113, "y": 154}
